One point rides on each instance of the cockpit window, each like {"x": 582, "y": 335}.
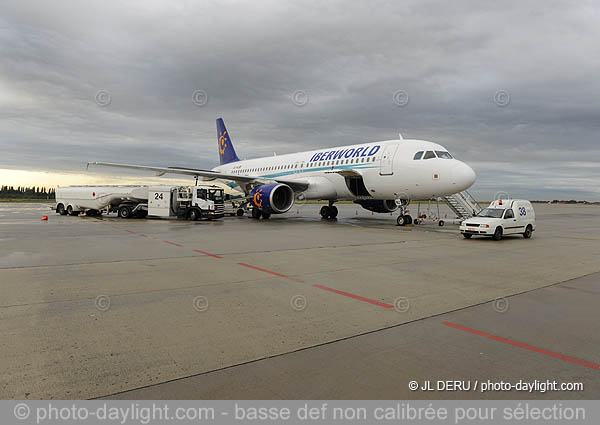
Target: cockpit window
{"x": 429, "y": 155}
{"x": 418, "y": 155}
{"x": 443, "y": 155}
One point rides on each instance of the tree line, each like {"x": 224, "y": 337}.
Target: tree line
{"x": 22, "y": 192}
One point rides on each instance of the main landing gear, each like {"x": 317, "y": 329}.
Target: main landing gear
{"x": 328, "y": 212}
{"x": 256, "y": 214}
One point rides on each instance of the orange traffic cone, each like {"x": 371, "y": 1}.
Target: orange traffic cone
{"x": 45, "y": 218}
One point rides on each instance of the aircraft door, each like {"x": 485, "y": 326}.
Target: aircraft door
{"x": 386, "y": 167}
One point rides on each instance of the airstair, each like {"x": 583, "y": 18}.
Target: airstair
{"x": 463, "y": 204}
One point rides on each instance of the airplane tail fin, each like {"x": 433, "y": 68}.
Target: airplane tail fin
{"x": 226, "y": 151}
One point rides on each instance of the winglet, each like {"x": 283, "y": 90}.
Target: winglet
{"x": 226, "y": 151}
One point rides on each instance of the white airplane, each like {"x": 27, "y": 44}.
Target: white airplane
{"x": 380, "y": 176}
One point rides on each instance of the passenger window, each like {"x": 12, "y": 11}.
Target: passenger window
{"x": 429, "y": 155}
{"x": 509, "y": 214}
{"x": 418, "y": 155}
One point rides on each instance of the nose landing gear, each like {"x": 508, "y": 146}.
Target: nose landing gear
{"x": 404, "y": 218}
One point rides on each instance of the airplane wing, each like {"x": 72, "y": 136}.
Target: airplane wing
{"x": 244, "y": 181}
{"x": 345, "y": 173}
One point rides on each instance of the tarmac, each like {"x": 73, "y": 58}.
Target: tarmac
{"x": 296, "y": 307}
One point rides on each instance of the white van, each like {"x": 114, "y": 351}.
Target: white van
{"x": 501, "y": 217}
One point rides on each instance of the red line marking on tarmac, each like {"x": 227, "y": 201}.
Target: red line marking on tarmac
{"x": 525, "y": 346}
{"x": 262, "y": 270}
{"x": 356, "y": 297}
{"x": 272, "y": 272}
{"x": 173, "y": 243}
{"x": 130, "y": 231}
{"x": 115, "y": 227}
{"x": 207, "y": 253}
{"x": 295, "y": 279}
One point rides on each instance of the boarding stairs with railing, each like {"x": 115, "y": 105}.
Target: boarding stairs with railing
{"x": 463, "y": 204}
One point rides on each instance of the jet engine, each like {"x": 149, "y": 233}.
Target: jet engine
{"x": 275, "y": 198}
{"x": 378, "y": 205}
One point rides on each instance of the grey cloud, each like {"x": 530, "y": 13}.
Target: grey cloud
{"x": 350, "y": 57}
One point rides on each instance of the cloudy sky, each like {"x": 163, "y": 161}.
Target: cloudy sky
{"x": 512, "y": 88}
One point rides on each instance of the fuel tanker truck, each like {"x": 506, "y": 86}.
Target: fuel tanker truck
{"x": 188, "y": 202}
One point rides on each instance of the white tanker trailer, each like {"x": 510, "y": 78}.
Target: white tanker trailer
{"x": 191, "y": 202}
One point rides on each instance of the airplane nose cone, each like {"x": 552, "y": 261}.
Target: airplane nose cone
{"x": 463, "y": 176}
